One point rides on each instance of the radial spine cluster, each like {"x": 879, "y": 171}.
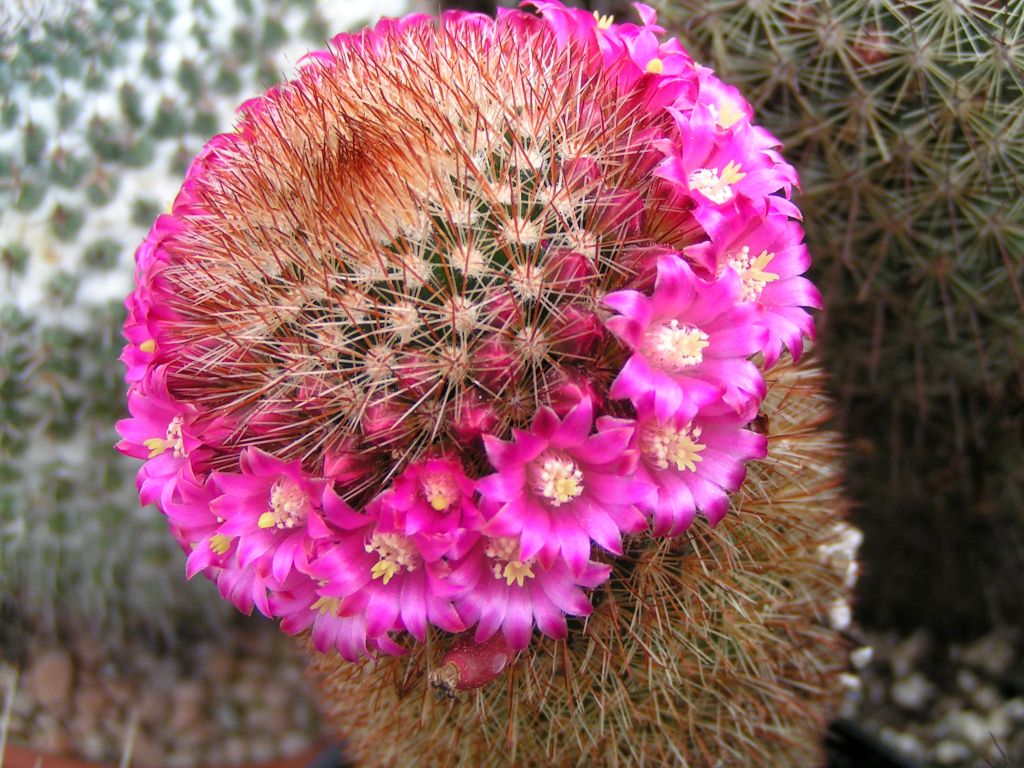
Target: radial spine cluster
{"x": 451, "y": 313}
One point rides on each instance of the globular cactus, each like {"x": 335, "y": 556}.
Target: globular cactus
{"x": 469, "y": 331}
{"x": 906, "y": 120}
{"x": 101, "y": 107}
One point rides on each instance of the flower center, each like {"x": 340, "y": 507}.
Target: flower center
{"x": 440, "y": 490}
{"x": 558, "y": 479}
{"x": 655, "y": 66}
{"x": 714, "y": 186}
{"x": 328, "y": 605}
{"x": 604, "y": 22}
{"x": 672, "y": 346}
{"x": 751, "y": 271}
{"x": 289, "y": 505}
{"x": 395, "y": 552}
{"x": 727, "y": 114}
{"x": 172, "y": 440}
{"x": 664, "y": 446}
{"x": 219, "y": 543}
{"x": 508, "y": 565}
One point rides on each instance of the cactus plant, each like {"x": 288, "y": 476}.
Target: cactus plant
{"x": 906, "y": 120}
{"x": 86, "y": 143}
{"x": 429, "y": 343}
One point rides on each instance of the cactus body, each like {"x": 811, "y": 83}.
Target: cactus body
{"x": 447, "y": 324}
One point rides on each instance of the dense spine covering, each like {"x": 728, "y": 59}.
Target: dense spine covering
{"x": 718, "y": 647}
{"x": 452, "y": 313}
{"x": 906, "y": 120}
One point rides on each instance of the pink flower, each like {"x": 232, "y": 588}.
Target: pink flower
{"x": 197, "y": 526}
{"x": 690, "y": 340}
{"x": 272, "y": 509}
{"x": 245, "y": 586}
{"x": 434, "y": 497}
{"x": 657, "y": 58}
{"x": 716, "y": 166}
{"x": 148, "y": 316}
{"x": 767, "y": 253}
{"x": 725, "y": 102}
{"x": 164, "y": 432}
{"x": 694, "y": 463}
{"x": 396, "y": 581}
{"x": 558, "y": 487}
{"x": 503, "y": 590}
{"x": 300, "y": 606}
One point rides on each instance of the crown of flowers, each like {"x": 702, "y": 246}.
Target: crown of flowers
{"x": 445, "y": 317}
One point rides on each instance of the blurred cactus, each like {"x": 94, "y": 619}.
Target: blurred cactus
{"x": 716, "y": 648}
{"x": 99, "y": 103}
{"x": 904, "y": 119}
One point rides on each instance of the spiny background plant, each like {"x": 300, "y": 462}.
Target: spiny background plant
{"x": 711, "y": 649}
{"x": 905, "y": 121}
{"x": 101, "y": 105}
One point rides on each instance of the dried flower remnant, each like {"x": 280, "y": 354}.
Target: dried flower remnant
{"x": 463, "y": 300}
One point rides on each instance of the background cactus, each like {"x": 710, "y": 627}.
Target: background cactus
{"x": 717, "y": 648}
{"x": 904, "y": 119}
{"x": 102, "y": 107}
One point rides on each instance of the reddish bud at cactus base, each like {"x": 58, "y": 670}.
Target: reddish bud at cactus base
{"x": 469, "y": 664}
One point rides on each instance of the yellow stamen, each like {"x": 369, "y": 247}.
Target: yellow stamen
{"x": 395, "y": 552}
{"x": 440, "y": 490}
{"x": 518, "y": 572}
{"x": 666, "y": 445}
{"x": 171, "y": 440}
{"x": 716, "y": 187}
{"x": 326, "y": 605}
{"x": 219, "y": 543}
{"x": 267, "y": 520}
{"x": 758, "y": 265}
{"x": 148, "y": 346}
{"x": 751, "y": 271}
{"x": 728, "y": 114}
{"x": 687, "y": 451}
{"x": 508, "y": 565}
{"x": 674, "y": 346}
{"x": 655, "y": 66}
{"x": 604, "y": 22}
{"x": 732, "y": 173}
{"x": 384, "y": 570}
{"x": 156, "y": 445}
{"x": 558, "y": 480}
